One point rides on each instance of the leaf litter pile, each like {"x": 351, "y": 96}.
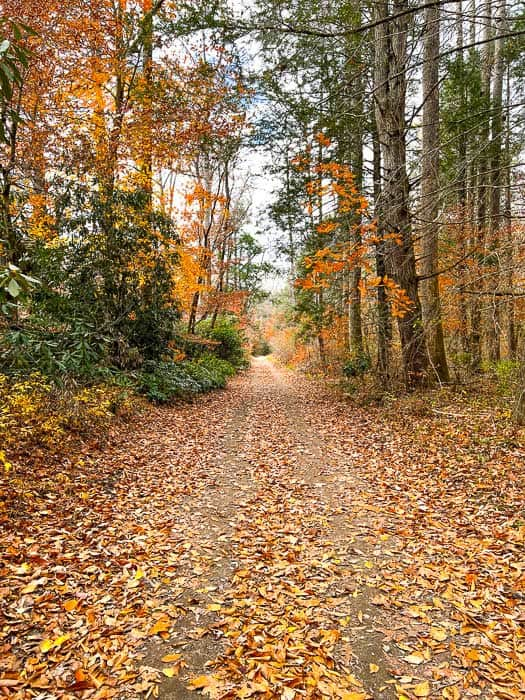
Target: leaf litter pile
{"x": 305, "y": 549}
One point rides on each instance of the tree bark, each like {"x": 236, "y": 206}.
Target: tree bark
{"x": 355, "y": 310}
{"x": 384, "y": 321}
{"x": 146, "y": 164}
{"x": 496, "y": 176}
{"x": 431, "y": 301}
{"x": 390, "y": 105}
{"x": 483, "y": 191}
{"x": 509, "y": 253}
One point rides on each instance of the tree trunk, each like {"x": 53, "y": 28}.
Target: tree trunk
{"x": 12, "y": 251}
{"x": 390, "y": 105}
{"x": 509, "y": 233}
{"x": 354, "y": 309}
{"x": 463, "y": 179}
{"x": 519, "y": 404}
{"x": 146, "y": 164}
{"x": 431, "y": 302}
{"x": 384, "y": 322}
{"x": 226, "y": 233}
{"x": 496, "y": 179}
{"x": 483, "y": 213}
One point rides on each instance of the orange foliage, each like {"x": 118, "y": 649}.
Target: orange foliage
{"x": 105, "y": 116}
{"x": 336, "y": 181}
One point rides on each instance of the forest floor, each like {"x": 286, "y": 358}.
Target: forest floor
{"x": 271, "y": 541}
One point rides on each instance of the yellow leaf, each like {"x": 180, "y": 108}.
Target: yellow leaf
{"x": 473, "y": 655}
{"x": 351, "y": 695}
{"x": 23, "y": 569}
{"x": 70, "y": 605}
{"x": 214, "y": 607}
{"x": 30, "y": 588}
{"x": 201, "y": 682}
{"x": 416, "y": 658}
{"x": 209, "y": 685}
{"x": 374, "y": 668}
{"x": 48, "y": 644}
{"x": 160, "y": 626}
{"x": 451, "y": 693}
{"x": 169, "y": 672}
{"x": 422, "y": 690}
{"x": 438, "y": 634}
{"x": 170, "y": 658}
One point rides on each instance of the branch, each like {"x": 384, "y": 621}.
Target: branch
{"x": 496, "y": 293}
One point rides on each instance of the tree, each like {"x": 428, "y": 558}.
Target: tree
{"x": 430, "y": 199}
{"x": 390, "y": 105}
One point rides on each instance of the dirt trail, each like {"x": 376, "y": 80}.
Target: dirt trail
{"x": 268, "y": 541}
{"x": 277, "y": 498}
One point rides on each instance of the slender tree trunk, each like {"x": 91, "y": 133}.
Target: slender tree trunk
{"x": 509, "y": 233}
{"x": 496, "y": 177}
{"x": 463, "y": 180}
{"x": 384, "y": 321}
{"x": 223, "y": 243}
{"x": 483, "y": 213}
{"x": 390, "y": 96}
{"x": 356, "y": 158}
{"x": 204, "y": 242}
{"x": 146, "y": 164}
{"x": 431, "y": 302}
{"x": 12, "y": 251}
{"x": 519, "y": 404}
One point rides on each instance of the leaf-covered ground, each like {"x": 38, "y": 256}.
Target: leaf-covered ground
{"x": 270, "y": 541}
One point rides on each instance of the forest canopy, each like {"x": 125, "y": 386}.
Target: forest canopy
{"x": 394, "y": 137}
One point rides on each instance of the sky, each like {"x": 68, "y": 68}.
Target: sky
{"x": 254, "y": 163}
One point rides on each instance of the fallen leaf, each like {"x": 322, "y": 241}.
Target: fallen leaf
{"x": 416, "y": 658}
{"x": 162, "y": 625}
{"x": 438, "y": 634}
{"x": 48, "y": 644}
{"x": 422, "y": 690}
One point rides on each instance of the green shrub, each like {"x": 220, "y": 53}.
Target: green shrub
{"x": 163, "y": 382}
{"x": 216, "y": 365}
{"x": 230, "y": 339}
{"x": 357, "y": 365}
{"x": 506, "y": 372}
{"x": 73, "y": 349}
